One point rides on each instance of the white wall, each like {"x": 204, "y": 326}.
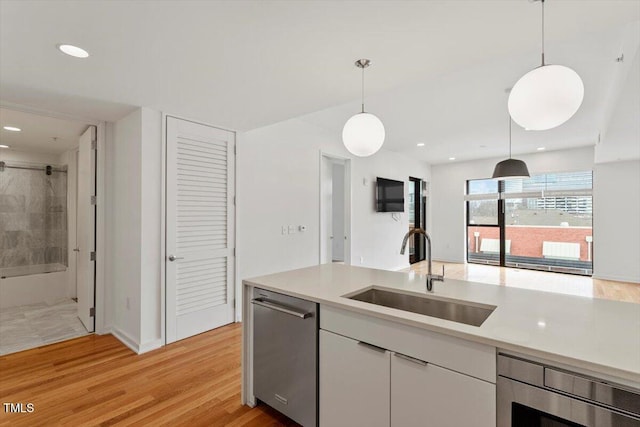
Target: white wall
{"x": 8, "y": 155}
{"x": 278, "y": 183}
{"x": 152, "y": 212}
{"x": 134, "y": 171}
{"x": 123, "y": 223}
{"x": 616, "y": 221}
{"x": 448, "y": 188}
{"x": 620, "y": 131}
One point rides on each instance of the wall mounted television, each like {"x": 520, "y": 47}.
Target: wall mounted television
{"x": 389, "y": 195}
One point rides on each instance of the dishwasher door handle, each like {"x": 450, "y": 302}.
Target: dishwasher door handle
{"x": 281, "y": 308}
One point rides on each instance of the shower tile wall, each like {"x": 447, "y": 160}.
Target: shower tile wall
{"x": 33, "y": 217}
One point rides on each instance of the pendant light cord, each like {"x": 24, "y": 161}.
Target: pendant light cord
{"x": 363, "y": 89}
{"x": 510, "y": 136}
{"x": 543, "y": 33}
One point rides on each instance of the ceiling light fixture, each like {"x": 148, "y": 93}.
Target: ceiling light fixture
{"x": 510, "y": 168}
{"x": 4, "y": 146}
{"x": 420, "y": 144}
{"x": 452, "y": 158}
{"x": 11, "y": 128}
{"x": 75, "y": 51}
{"x": 546, "y": 96}
{"x": 363, "y": 134}
{"x": 541, "y": 148}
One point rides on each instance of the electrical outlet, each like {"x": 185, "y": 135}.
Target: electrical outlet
{"x": 292, "y": 229}
{"x": 302, "y": 228}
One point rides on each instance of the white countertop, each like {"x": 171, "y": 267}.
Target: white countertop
{"x": 596, "y": 335}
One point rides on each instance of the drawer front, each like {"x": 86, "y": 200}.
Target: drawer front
{"x": 425, "y": 394}
{"x": 470, "y": 358}
{"x": 354, "y": 383}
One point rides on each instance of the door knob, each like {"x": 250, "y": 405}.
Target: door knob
{"x": 173, "y": 258}
{"x": 76, "y": 250}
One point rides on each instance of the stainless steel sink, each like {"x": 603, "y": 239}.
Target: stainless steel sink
{"x": 448, "y": 310}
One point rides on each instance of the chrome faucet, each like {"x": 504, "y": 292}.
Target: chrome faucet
{"x": 430, "y": 277}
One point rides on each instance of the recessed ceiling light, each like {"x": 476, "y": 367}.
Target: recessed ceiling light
{"x": 420, "y": 144}
{"x": 452, "y": 158}
{"x": 541, "y": 148}
{"x": 75, "y": 51}
{"x": 4, "y": 146}
{"x": 11, "y": 128}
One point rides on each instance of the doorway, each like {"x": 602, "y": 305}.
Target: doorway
{"x": 417, "y": 218}
{"x": 47, "y": 263}
{"x": 335, "y": 210}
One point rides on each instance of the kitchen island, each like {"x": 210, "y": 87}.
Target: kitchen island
{"x": 596, "y": 338}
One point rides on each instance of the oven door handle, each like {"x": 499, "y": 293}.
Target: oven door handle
{"x": 560, "y": 406}
{"x": 592, "y": 390}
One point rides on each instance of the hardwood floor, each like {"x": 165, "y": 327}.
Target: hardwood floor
{"x": 96, "y": 380}
{"x": 537, "y": 280}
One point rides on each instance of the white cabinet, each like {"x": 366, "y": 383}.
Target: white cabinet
{"x": 425, "y": 394}
{"x": 409, "y": 377}
{"x": 354, "y": 383}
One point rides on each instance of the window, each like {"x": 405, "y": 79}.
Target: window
{"x": 543, "y": 222}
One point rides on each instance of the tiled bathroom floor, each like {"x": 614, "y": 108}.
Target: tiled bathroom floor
{"x": 31, "y": 326}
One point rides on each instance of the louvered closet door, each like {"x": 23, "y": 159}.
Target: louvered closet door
{"x": 200, "y": 228}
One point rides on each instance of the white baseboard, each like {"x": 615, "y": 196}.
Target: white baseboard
{"x": 105, "y": 330}
{"x": 452, "y": 261}
{"x": 616, "y": 278}
{"x": 125, "y": 339}
{"x": 150, "y": 345}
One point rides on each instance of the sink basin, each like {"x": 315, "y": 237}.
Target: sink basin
{"x": 455, "y": 311}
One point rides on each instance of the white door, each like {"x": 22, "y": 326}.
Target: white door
{"x": 200, "y": 228}
{"x": 338, "y": 217}
{"x": 326, "y": 208}
{"x": 85, "y": 229}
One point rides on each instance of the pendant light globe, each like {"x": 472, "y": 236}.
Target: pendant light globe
{"x": 546, "y": 97}
{"x": 363, "y": 134}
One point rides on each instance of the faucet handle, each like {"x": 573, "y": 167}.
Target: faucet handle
{"x": 438, "y": 277}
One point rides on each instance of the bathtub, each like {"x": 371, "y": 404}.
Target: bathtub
{"x": 35, "y": 284}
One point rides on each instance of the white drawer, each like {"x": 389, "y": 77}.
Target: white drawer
{"x": 470, "y": 358}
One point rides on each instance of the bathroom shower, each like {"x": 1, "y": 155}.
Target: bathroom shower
{"x": 33, "y": 219}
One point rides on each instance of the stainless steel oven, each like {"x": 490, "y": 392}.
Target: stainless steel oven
{"x": 531, "y": 394}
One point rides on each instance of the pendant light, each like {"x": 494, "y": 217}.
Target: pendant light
{"x": 363, "y": 134}
{"x": 510, "y": 168}
{"x": 546, "y": 96}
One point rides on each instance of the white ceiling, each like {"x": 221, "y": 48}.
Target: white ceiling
{"x": 439, "y": 72}
{"x": 38, "y": 132}
{"x": 464, "y": 114}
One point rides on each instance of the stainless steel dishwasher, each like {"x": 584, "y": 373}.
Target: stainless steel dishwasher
{"x": 285, "y": 355}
